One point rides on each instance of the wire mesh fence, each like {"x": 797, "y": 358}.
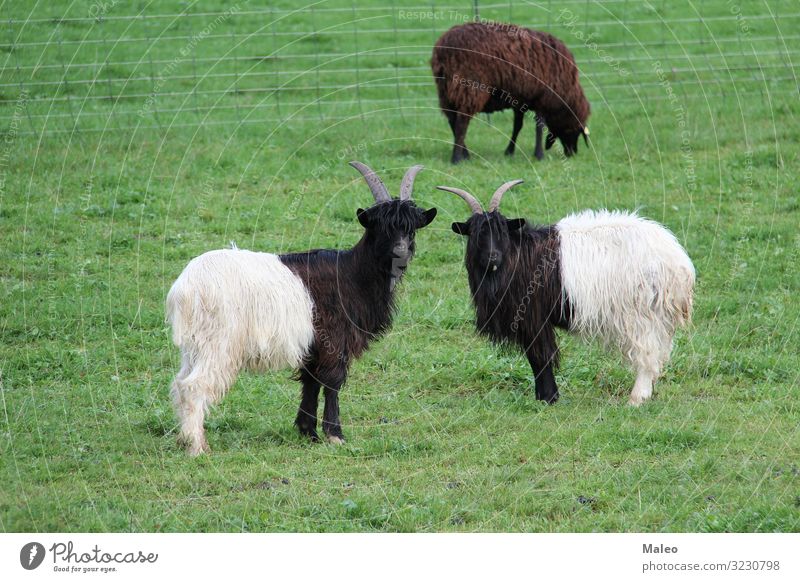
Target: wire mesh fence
{"x": 103, "y": 66}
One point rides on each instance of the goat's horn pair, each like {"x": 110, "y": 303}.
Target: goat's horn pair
{"x": 474, "y": 205}
{"x": 378, "y": 188}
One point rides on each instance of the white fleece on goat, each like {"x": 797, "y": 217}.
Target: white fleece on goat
{"x": 629, "y": 283}
{"x": 232, "y": 309}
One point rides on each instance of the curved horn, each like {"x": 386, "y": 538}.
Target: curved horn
{"x": 494, "y": 204}
{"x": 474, "y": 205}
{"x": 407, "y": 185}
{"x": 376, "y": 185}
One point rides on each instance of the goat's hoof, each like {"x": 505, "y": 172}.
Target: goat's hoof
{"x": 309, "y": 433}
{"x": 200, "y": 449}
{"x": 636, "y": 401}
{"x": 509, "y": 152}
{"x": 335, "y": 440}
{"x": 539, "y": 156}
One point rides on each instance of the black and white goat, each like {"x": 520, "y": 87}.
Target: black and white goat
{"x": 316, "y": 311}
{"x": 612, "y": 276}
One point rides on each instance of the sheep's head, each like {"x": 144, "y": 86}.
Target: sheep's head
{"x": 489, "y": 233}
{"x": 568, "y": 127}
{"x": 391, "y": 223}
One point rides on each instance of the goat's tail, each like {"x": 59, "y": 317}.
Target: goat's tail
{"x": 680, "y": 297}
{"x": 180, "y": 313}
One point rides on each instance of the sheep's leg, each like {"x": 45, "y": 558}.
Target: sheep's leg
{"x": 451, "y": 119}
{"x": 519, "y": 117}
{"x": 306, "y": 420}
{"x": 539, "y": 151}
{"x": 332, "y": 380}
{"x": 460, "y": 125}
{"x": 546, "y": 388}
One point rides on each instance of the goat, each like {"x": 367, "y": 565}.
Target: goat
{"x": 485, "y": 67}
{"x": 314, "y": 311}
{"x": 612, "y": 276}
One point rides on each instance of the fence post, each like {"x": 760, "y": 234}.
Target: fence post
{"x": 316, "y": 58}
{"x": 397, "y": 62}
{"x": 358, "y": 67}
{"x": 64, "y": 84}
{"x": 24, "y": 95}
{"x": 108, "y": 75}
{"x": 235, "y": 77}
{"x": 277, "y": 61}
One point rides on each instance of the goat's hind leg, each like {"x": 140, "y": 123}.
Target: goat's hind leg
{"x": 648, "y": 363}
{"x": 193, "y": 394}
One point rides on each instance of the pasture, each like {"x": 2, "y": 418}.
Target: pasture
{"x": 168, "y": 143}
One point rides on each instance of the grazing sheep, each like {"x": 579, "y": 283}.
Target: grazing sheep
{"x": 612, "y": 276}
{"x": 316, "y": 311}
{"x": 485, "y": 67}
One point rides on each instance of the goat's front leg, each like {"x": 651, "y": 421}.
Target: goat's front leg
{"x": 333, "y": 381}
{"x": 306, "y": 421}
{"x": 542, "y": 368}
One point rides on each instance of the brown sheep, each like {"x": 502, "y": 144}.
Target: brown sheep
{"x": 486, "y": 67}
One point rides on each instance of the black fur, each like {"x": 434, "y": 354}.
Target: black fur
{"x": 514, "y": 274}
{"x": 353, "y": 294}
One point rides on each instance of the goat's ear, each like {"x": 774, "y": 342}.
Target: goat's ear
{"x": 362, "y": 217}
{"x": 515, "y": 223}
{"x": 548, "y": 143}
{"x": 461, "y": 228}
{"x": 427, "y": 217}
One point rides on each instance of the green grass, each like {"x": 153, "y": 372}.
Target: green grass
{"x": 444, "y": 432}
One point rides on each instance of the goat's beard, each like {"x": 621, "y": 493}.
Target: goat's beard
{"x": 491, "y": 281}
{"x": 399, "y": 266}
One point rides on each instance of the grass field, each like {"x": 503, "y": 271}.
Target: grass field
{"x": 101, "y": 207}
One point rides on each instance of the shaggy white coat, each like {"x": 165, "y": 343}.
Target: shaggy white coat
{"x": 630, "y": 284}
{"x": 230, "y": 310}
